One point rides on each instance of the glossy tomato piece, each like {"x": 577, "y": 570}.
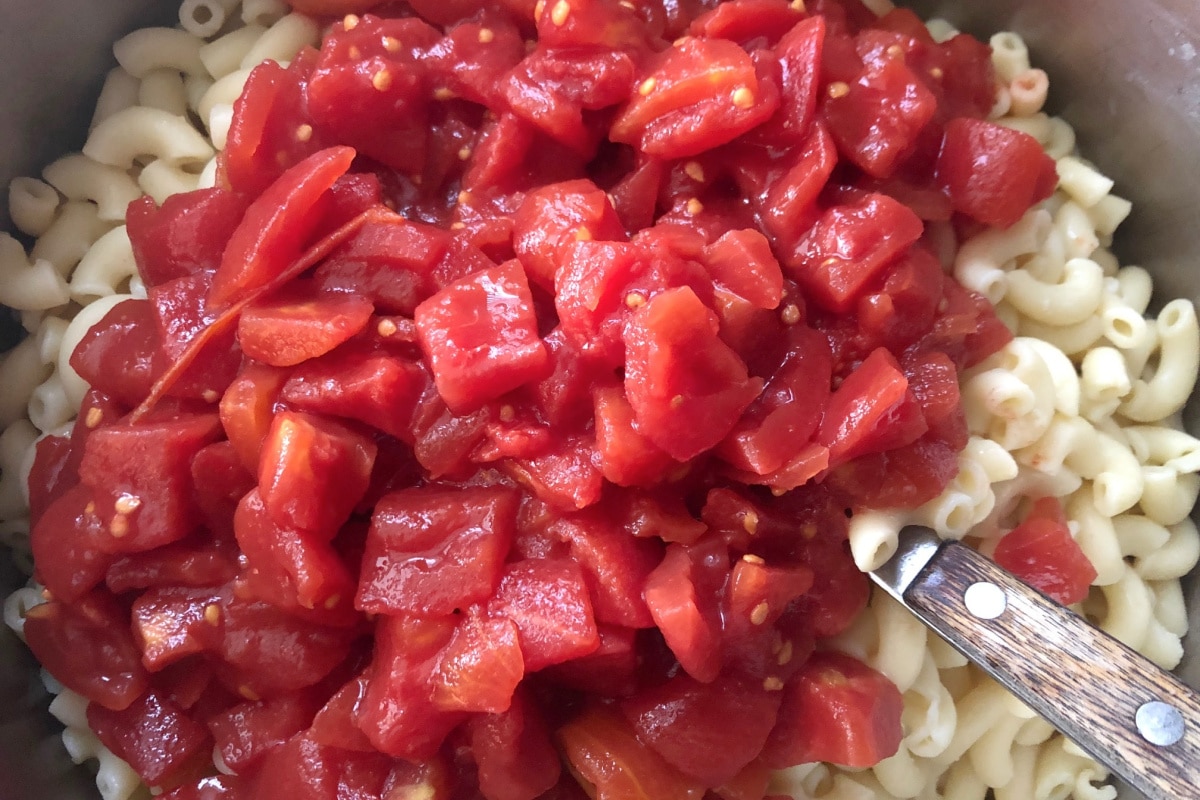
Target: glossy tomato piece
{"x": 200, "y": 560}
{"x": 615, "y": 565}
{"x": 173, "y": 622}
{"x": 747, "y": 21}
{"x": 799, "y": 52}
{"x": 993, "y": 174}
{"x": 480, "y": 667}
{"x": 204, "y": 356}
{"x": 52, "y": 473}
{"x": 742, "y": 262}
{"x": 513, "y": 752}
{"x": 186, "y": 235}
{"x": 287, "y": 329}
{"x": 871, "y": 411}
{"x": 839, "y": 710}
{"x": 141, "y": 479}
{"x": 122, "y": 355}
{"x": 87, "y": 646}
{"x": 370, "y": 94}
{"x": 473, "y": 57}
{"x": 303, "y": 561}
{"x": 788, "y": 200}
{"x": 302, "y": 769}
{"x": 548, "y": 600}
{"x": 849, "y": 245}
{"x": 694, "y": 96}
{"x": 313, "y": 471}
{"x": 152, "y": 735}
{"x": 687, "y": 387}
{"x": 480, "y": 337}
{"x": 397, "y": 713}
{"x": 552, "y": 217}
{"x": 67, "y": 561}
{"x": 376, "y": 388}
{"x": 335, "y": 723}
{"x": 220, "y": 481}
{"x": 1041, "y": 552}
{"x": 613, "y": 669}
{"x": 219, "y": 787}
{"x": 435, "y": 549}
{"x": 248, "y": 409}
{"x": 708, "y": 731}
{"x": 277, "y": 226}
{"x": 680, "y": 595}
{"x": 245, "y": 733}
{"x": 602, "y": 747}
{"x": 627, "y": 458}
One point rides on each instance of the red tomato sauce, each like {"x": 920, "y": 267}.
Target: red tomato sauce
{"x": 490, "y": 430}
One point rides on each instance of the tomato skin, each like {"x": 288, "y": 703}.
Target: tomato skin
{"x": 839, "y": 710}
{"x": 432, "y": 550}
{"x": 87, "y": 645}
{"x": 272, "y": 234}
{"x": 1041, "y": 552}
{"x": 247, "y": 410}
{"x": 993, "y": 174}
{"x": 480, "y": 337}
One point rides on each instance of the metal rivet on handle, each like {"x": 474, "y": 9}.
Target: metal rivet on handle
{"x": 1159, "y": 723}
{"x": 985, "y": 600}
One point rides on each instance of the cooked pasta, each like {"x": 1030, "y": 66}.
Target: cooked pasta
{"x": 1080, "y": 406}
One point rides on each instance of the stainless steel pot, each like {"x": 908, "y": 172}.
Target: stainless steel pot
{"x": 1126, "y": 75}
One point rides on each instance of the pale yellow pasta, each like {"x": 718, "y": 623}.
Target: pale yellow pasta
{"x": 1071, "y": 339}
{"x": 78, "y": 177}
{"x": 1170, "y": 607}
{"x": 1020, "y": 778}
{"x": 32, "y": 205}
{"x": 954, "y": 512}
{"x": 1060, "y": 138}
{"x": 929, "y": 715}
{"x": 1066, "y": 380}
{"x": 1177, "y": 556}
{"x": 208, "y": 175}
{"x": 195, "y": 87}
{"x": 160, "y": 179}
{"x": 28, "y": 285}
{"x": 941, "y": 29}
{"x": 224, "y": 55}
{"x": 224, "y": 91}
{"x": 21, "y": 370}
{"x": 146, "y": 132}
{"x": 1126, "y": 329}
{"x": 963, "y": 784}
{"x": 115, "y": 779}
{"x": 1138, "y": 535}
{"x": 48, "y": 407}
{"x": 150, "y": 49}
{"x": 1104, "y": 376}
{"x": 981, "y": 708}
{"x": 163, "y": 89}
{"x": 993, "y": 755}
{"x": 1010, "y": 396}
{"x": 68, "y": 238}
{"x": 1082, "y": 181}
{"x": 1097, "y": 538}
{"x": 901, "y": 775}
{"x": 263, "y": 12}
{"x": 1128, "y": 609}
{"x": 14, "y": 441}
{"x": 1169, "y": 495}
{"x": 1061, "y": 774}
{"x": 1036, "y": 125}
{"x": 1108, "y": 213}
{"x": 873, "y": 538}
{"x": 1027, "y": 92}
{"x": 981, "y": 262}
{"x": 283, "y": 40}
{"x": 106, "y": 267}
{"x": 1134, "y": 288}
{"x": 1072, "y": 299}
{"x": 1010, "y": 56}
{"x": 205, "y": 18}
{"x": 1078, "y": 232}
{"x": 220, "y": 118}
{"x": 120, "y": 92}
{"x": 1178, "y": 363}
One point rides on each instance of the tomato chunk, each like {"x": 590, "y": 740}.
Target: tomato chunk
{"x": 152, "y": 735}
{"x": 1041, "y": 552}
{"x": 548, "y": 601}
{"x": 285, "y": 331}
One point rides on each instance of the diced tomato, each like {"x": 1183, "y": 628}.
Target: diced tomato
{"x": 152, "y": 735}
{"x": 68, "y": 563}
{"x": 248, "y": 408}
{"x": 480, "y": 667}
{"x": 173, "y": 622}
{"x": 551, "y": 217}
{"x": 220, "y": 480}
{"x": 397, "y": 714}
{"x": 302, "y": 769}
{"x": 839, "y": 710}
{"x": 708, "y": 731}
{"x": 612, "y": 669}
{"x": 513, "y": 751}
{"x": 141, "y": 480}
{"x": 220, "y": 787}
{"x": 615, "y": 567}
{"x": 186, "y": 563}
{"x": 332, "y": 8}
{"x": 677, "y": 593}
{"x": 548, "y": 600}
{"x": 694, "y": 96}
{"x": 472, "y": 64}
{"x": 433, "y": 550}
{"x": 603, "y": 749}
{"x": 1041, "y": 552}
{"x": 747, "y": 21}
{"x": 186, "y": 235}
{"x": 849, "y": 245}
{"x": 872, "y": 410}
{"x": 742, "y": 262}
{"x": 686, "y": 387}
{"x": 246, "y": 732}
{"x": 52, "y": 473}
{"x": 335, "y": 726}
{"x": 993, "y": 174}
{"x": 287, "y": 330}
{"x": 277, "y": 226}
{"x": 799, "y": 52}
{"x": 481, "y": 338}
{"x": 313, "y": 471}
{"x": 627, "y": 458}
{"x": 121, "y": 355}
{"x": 87, "y": 645}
